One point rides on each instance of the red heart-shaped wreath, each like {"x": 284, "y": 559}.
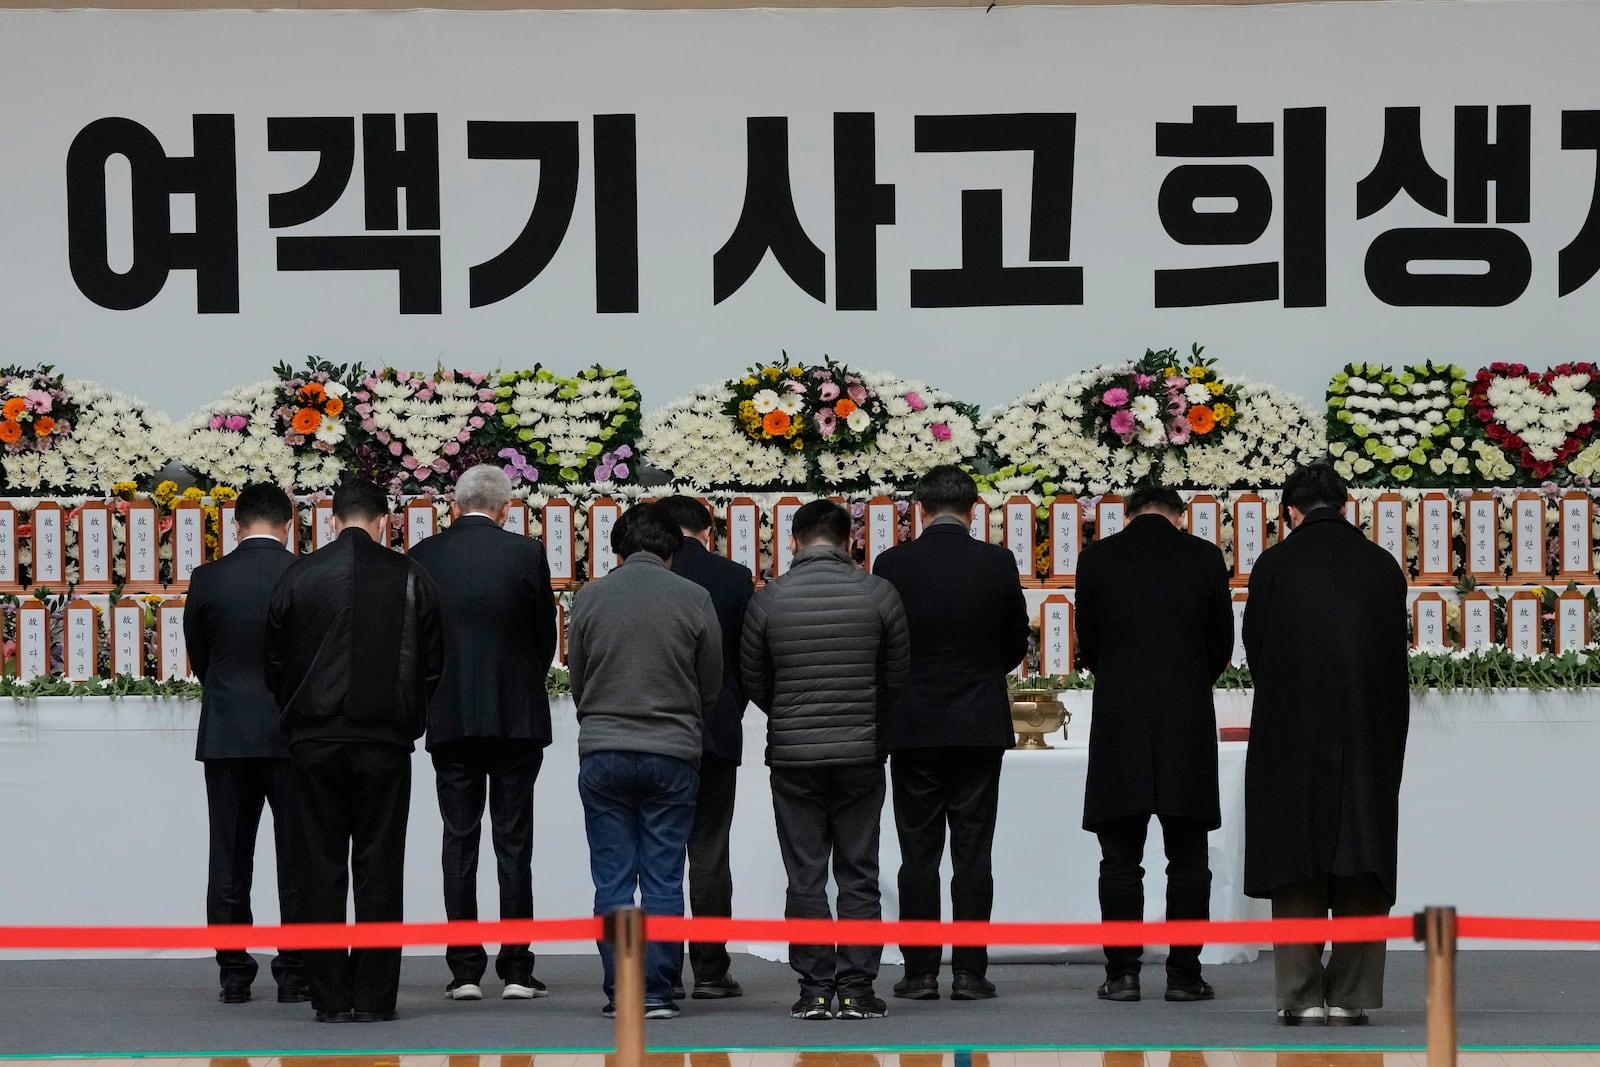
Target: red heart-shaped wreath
{"x": 1540, "y": 420}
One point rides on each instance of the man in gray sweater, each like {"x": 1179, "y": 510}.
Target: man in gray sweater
{"x": 645, "y": 654}
{"x": 824, "y": 648}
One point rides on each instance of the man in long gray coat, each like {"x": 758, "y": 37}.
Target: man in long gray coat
{"x": 823, "y": 650}
{"x": 1325, "y": 636}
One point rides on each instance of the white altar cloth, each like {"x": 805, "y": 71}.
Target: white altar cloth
{"x": 103, "y": 821}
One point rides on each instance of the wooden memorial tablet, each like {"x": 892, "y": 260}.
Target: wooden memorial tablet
{"x": 228, "y": 527}
{"x": 1524, "y": 632}
{"x": 49, "y": 547}
{"x": 127, "y": 638}
{"x": 80, "y": 642}
{"x": 1239, "y": 600}
{"x": 1436, "y": 563}
{"x": 1352, "y": 512}
{"x": 744, "y": 534}
{"x": 516, "y": 518}
{"x": 979, "y": 527}
{"x": 783, "y": 534}
{"x": 882, "y": 528}
{"x": 1019, "y": 516}
{"x": 1572, "y": 621}
{"x": 1205, "y": 518}
{"x": 1110, "y": 516}
{"x": 712, "y": 533}
{"x": 421, "y": 521}
{"x": 1249, "y": 535}
{"x": 172, "y": 654}
{"x": 1530, "y": 532}
{"x": 560, "y": 550}
{"x": 33, "y": 640}
{"x": 1577, "y": 541}
{"x": 10, "y": 569}
{"x": 603, "y": 555}
{"x": 1055, "y": 635}
{"x": 1483, "y": 538}
{"x": 1389, "y": 527}
{"x": 188, "y": 542}
{"x": 1429, "y": 630}
{"x": 916, "y": 519}
{"x": 94, "y": 547}
{"x": 1477, "y": 620}
{"x": 1066, "y": 541}
{"x": 561, "y": 632}
{"x": 143, "y": 547}
{"x": 322, "y": 534}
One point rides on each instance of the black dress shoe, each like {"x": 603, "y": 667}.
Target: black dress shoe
{"x": 373, "y": 1016}
{"x": 1183, "y": 992}
{"x": 1124, "y": 990}
{"x": 678, "y": 992}
{"x": 968, "y": 986}
{"x": 918, "y": 987}
{"x": 293, "y": 994}
{"x": 718, "y": 989}
{"x": 334, "y": 1017}
{"x": 239, "y": 994}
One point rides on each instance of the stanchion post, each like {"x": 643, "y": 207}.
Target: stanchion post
{"x": 1439, "y": 936}
{"x": 624, "y": 932}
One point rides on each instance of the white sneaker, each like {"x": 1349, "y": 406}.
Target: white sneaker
{"x": 1347, "y": 1016}
{"x": 1312, "y": 1016}
{"x": 517, "y": 991}
{"x": 464, "y": 991}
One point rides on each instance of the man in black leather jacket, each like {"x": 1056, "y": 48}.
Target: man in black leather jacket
{"x": 354, "y": 651}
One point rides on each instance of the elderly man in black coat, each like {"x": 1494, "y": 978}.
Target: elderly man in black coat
{"x": 1155, "y": 625}
{"x": 489, "y": 720}
{"x": 951, "y": 724}
{"x": 1325, "y": 637}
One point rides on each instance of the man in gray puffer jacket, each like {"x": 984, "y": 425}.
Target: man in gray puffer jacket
{"x": 824, "y": 648}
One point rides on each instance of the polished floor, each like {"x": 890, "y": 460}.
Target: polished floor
{"x": 854, "y": 1058}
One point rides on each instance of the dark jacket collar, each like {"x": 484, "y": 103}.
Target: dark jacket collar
{"x": 475, "y": 520}
{"x": 1320, "y": 515}
{"x": 354, "y": 533}
{"x": 812, "y": 553}
{"x": 644, "y": 558}
{"x": 252, "y": 543}
{"x": 944, "y": 524}
{"x": 691, "y": 546}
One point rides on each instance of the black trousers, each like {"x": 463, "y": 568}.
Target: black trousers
{"x": 236, "y": 792}
{"x": 354, "y": 799}
{"x": 935, "y": 788}
{"x": 710, "y": 876}
{"x": 1122, "y": 887}
{"x": 831, "y": 813}
{"x": 1353, "y": 977}
{"x": 502, "y": 772}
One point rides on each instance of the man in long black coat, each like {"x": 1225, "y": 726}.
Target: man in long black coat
{"x": 489, "y": 720}
{"x": 722, "y": 738}
{"x": 951, "y": 724}
{"x": 1155, "y": 625}
{"x": 241, "y": 745}
{"x": 1325, "y": 638}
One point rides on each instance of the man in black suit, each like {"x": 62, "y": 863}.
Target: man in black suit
{"x": 951, "y": 724}
{"x": 1326, "y": 638}
{"x": 722, "y": 738}
{"x": 1155, "y": 625}
{"x": 243, "y": 750}
{"x": 489, "y": 721}
{"x": 354, "y": 651}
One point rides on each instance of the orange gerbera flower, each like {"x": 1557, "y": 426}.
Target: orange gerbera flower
{"x": 306, "y": 420}
{"x": 333, "y": 406}
{"x": 10, "y": 430}
{"x": 14, "y": 407}
{"x": 1201, "y": 419}
{"x": 775, "y": 422}
{"x": 844, "y": 407}
{"x": 43, "y": 426}
{"x": 311, "y": 392}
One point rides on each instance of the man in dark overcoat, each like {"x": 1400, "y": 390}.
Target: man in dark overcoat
{"x": 1325, "y": 637}
{"x": 1155, "y": 625}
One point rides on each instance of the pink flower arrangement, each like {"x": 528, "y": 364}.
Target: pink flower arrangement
{"x": 1122, "y": 422}
{"x": 828, "y": 392}
{"x": 827, "y": 422}
{"x": 231, "y": 423}
{"x": 915, "y": 401}
{"x": 1115, "y": 398}
{"x": 1178, "y": 431}
{"x": 940, "y": 431}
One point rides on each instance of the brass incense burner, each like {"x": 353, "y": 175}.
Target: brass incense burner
{"x": 1036, "y": 712}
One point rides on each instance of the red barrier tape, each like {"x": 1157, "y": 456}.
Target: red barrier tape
{"x": 828, "y": 931}
{"x": 675, "y": 928}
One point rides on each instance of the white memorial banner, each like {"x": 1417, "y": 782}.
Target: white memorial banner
{"x": 965, "y": 190}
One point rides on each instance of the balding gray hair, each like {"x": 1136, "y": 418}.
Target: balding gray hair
{"x": 484, "y": 488}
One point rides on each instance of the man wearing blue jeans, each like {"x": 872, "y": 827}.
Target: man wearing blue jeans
{"x": 645, "y": 656}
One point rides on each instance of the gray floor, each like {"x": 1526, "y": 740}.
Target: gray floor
{"x": 1516, "y": 999}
